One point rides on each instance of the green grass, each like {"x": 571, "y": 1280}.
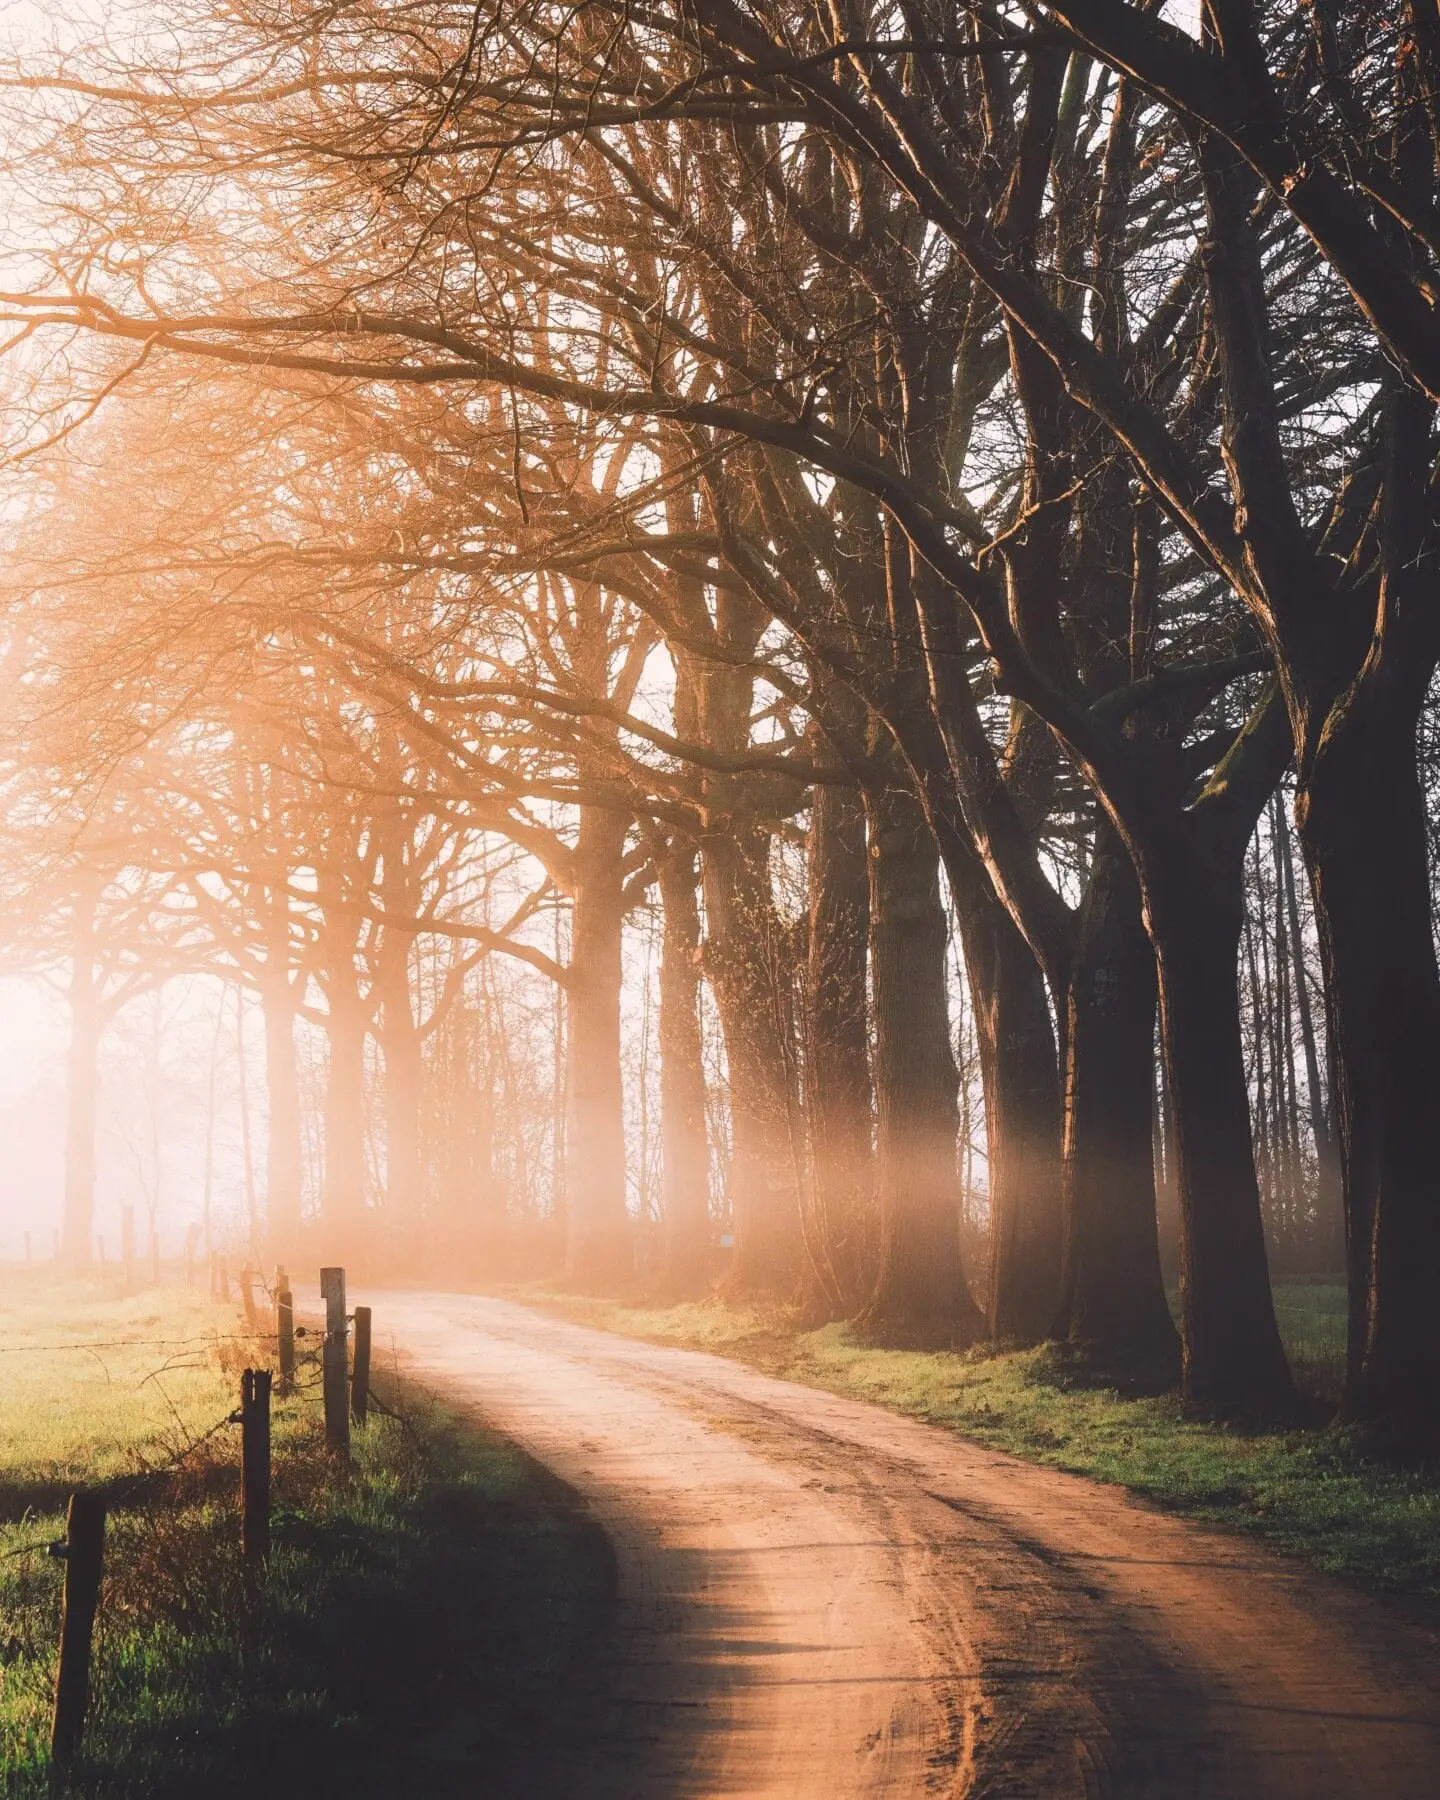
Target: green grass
{"x": 425, "y": 1625}
{"x": 1312, "y": 1318}
{"x": 1312, "y": 1493}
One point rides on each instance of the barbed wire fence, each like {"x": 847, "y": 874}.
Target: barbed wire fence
{"x": 310, "y": 1383}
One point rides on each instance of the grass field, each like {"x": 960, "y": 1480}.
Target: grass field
{"x": 1312, "y": 1323}
{"x": 1313, "y": 1493}
{"x": 426, "y": 1625}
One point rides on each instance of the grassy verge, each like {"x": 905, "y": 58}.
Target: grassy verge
{"x": 425, "y": 1626}
{"x": 1312, "y": 1493}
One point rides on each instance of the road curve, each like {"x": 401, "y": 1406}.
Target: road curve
{"x": 819, "y": 1600}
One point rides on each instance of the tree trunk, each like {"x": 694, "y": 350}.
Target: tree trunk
{"x": 1232, "y": 1356}
{"x": 1022, "y": 1129}
{"x": 749, "y": 964}
{"x": 684, "y": 1148}
{"x": 1115, "y": 1295}
{"x": 1019, "y": 1072}
{"x": 1020, "y": 1080}
{"x": 1363, "y": 826}
{"x": 599, "y": 1254}
{"x": 344, "y": 1210}
{"x": 399, "y": 1037}
{"x": 82, "y": 1091}
{"x": 404, "y": 1068}
{"x": 839, "y": 1222}
{"x": 921, "y": 1298}
{"x": 283, "y": 1161}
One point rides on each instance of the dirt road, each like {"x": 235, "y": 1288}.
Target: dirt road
{"x": 822, "y": 1600}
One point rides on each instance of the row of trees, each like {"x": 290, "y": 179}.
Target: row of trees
{"x": 985, "y": 438}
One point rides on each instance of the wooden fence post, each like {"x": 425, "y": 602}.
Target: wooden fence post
{"x": 247, "y": 1297}
{"x": 84, "y": 1555}
{"x": 285, "y": 1331}
{"x": 127, "y": 1244}
{"x": 255, "y": 1464}
{"x": 335, "y": 1362}
{"x": 360, "y": 1373}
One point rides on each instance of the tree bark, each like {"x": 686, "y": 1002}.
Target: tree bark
{"x": 749, "y": 964}
{"x": 1021, "y": 1083}
{"x": 399, "y": 1035}
{"x": 839, "y": 1219}
{"x": 684, "y": 1148}
{"x": 1233, "y": 1359}
{"x": 921, "y": 1298}
{"x": 1362, "y": 819}
{"x": 1114, "y": 1293}
{"x": 599, "y": 1254}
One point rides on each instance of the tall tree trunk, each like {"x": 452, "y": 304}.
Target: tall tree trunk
{"x": 749, "y": 963}
{"x": 345, "y": 1214}
{"x": 82, "y": 1089}
{"x": 400, "y": 1039}
{"x": 1113, "y": 1286}
{"x": 684, "y": 1148}
{"x": 599, "y": 1253}
{"x": 1232, "y": 1355}
{"x": 1019, "y": 1072}
{"x": 921, "y": 1297}
{"x": 1021, "y": 1082}
{"x": 839, "y": 1221}
{"x": 283, "y": 1158}
{"x": 1363, "y": 825}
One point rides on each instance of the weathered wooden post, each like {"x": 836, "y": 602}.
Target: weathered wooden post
{"x": 285, "y": 1332}
{"x": 335, "y": 1362}
{"x": 127, "y": 1244}
{"x": 247, "y": 1297}
{"x": 192, "y": 1244}
{"x": 360, "y": 1372}
{"x": 84, "y": 1555}
{"x": 255, "y": 1464}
